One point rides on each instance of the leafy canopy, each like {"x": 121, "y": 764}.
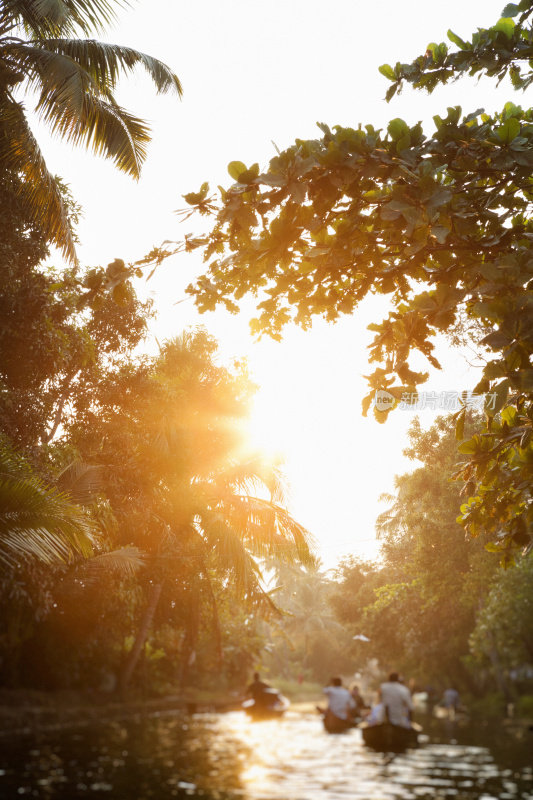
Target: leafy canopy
{"x": 506, "y": 48}
{"x": 440, "y": 223}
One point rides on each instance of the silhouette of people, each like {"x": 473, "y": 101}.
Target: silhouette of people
{"x": 258, "y": 691}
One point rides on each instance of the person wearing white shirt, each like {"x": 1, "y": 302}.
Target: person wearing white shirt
{"x": 396, "y": 699}
{"x": 340, "y": 701}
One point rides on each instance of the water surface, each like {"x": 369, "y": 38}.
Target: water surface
{"x": 228, "y": 757}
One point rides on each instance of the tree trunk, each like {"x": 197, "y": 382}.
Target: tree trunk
{"x": 142, "y": 635}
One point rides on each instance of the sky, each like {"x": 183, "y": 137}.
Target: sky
{"x": 256, "y": 75}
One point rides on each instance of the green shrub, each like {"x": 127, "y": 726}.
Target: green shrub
{"x": 491, "y": 705}
{"x": 524, "y": 706}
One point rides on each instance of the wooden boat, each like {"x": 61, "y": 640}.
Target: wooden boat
{"x": 270, "y": 705}
{"x": 334, "y": 724}
{"x": 389, "y": 738}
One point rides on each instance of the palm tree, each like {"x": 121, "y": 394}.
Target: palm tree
{"x": 74, "y": 79}
{"x": 224, "y": 526}
{"x": 37, "y": 520}
{"x": 184, "y": 487}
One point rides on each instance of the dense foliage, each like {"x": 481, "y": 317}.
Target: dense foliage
{"x": 134, "y": 522}
{"x": 419, "y": 604}
{"x": 438, "y": 221}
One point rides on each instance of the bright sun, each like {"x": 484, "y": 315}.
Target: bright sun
{"x": 267, "y": 426}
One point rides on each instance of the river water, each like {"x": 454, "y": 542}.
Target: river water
{"x": 228, "y": 757}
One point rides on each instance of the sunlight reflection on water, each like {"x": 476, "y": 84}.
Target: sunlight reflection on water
{"x": 295, "y": 759}
{"x": 229, "y": 757}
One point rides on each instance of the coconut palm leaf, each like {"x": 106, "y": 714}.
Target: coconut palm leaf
{"x": 106, "y": 129}
{"x": 106, "y": 62}
{"x": 126, "y": 561}
{"x": 41, "y": 522}
{"x": 80, "y": 111}
{"x": 269, "y": 529}
{"x": 82, "y": 482}
{"x": 224, "y": 549}
{"x": 41, "y": 17}
{"x": 253, "y": 475}
{"x": 19, "y": 151}
{"x": 74, "y": 80}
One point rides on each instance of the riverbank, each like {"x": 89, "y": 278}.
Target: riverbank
{"x": 28, "y": 711}
{"x": 25, "y": 711}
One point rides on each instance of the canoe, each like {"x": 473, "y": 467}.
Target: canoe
{"x": 272, "y": 706}
{"x": 334, "y": 724}
{"x": 389, "y": 738}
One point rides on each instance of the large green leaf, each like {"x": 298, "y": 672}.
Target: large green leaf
{"x": 397, "y": 129}
{"x": 236, "y": 169}
{"x": 509, "y": 130}
{"x": 387, "y": 71}
{"x": 505, "y": 25}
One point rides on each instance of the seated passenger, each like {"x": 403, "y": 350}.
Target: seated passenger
{"x": 397, "y": 701}
{"x": 450, "y": 698}
{"x": 258, "y": 690}
{"x": 361, "y": 707}
{"x": 340, "y": 701}
{"x": 377, "y": 715}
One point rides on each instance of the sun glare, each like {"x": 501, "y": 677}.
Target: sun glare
{"x": 267, "y": 427}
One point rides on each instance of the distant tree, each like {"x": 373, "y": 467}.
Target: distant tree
{"x": 503, "y": 635}
{"x": 307, "y": 639}
{"x": 419, "y": 605}
{"x": 74, "y": 79}
{"x": 440, "y": 223}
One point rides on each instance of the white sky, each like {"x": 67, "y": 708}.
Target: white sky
{"x": 254, "y": 73}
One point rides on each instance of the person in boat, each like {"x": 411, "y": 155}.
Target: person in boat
{"x": 257, "y": 690}
{"x": 450, "y": 700}
{"x": 361, "y": 708}
{"x": 341, "y": 704}
{"x": 377, "y": 713}
{"x": 397, "y": 702}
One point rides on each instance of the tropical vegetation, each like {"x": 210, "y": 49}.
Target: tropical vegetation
{"x": 73, "y": 81}
{"x": 143, "y": 546}
{"x": 438, "y": 221}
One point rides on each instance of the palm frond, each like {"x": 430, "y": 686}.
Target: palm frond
{"x": 103, "y": 127}
{"x": 52, "y": 75}
{"x": 125, "y": 561}
{"x": 39, "y": 521}
{"x": 106, "y": 62}
{"x": 231, "y": 554}
{"x": 82, "y": 482}
{"x": 254, "y": 475}
{"x": 78, "y": 110}
{"x": 270, "y": 530}
{"x": 20, "y": 152}
{"x": 49, "y": 17}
